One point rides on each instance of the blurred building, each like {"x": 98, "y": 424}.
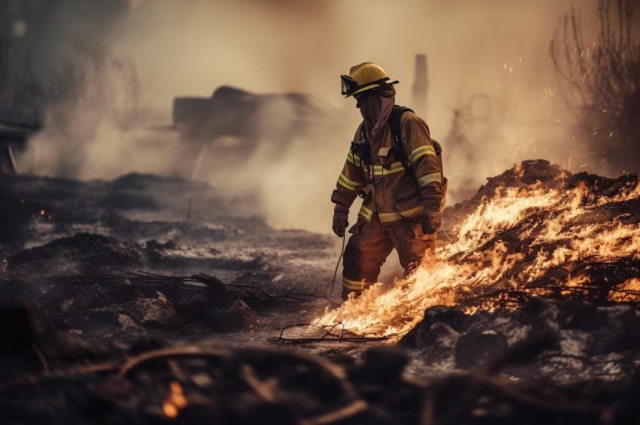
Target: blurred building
{"x": 420, "y": 89}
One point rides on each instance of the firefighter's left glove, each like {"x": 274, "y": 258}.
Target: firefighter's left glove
{"x": 340, "y": 223}
{"x": 340, "y": 220}
{"x": 431, "y": 219}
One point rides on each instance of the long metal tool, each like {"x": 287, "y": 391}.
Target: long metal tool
{"x": 335, "y": 273}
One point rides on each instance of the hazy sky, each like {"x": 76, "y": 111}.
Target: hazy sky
{"x": 496, "y": 48}
{"x": 193, "y": 46}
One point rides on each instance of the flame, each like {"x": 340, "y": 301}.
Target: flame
{"x": 174, "y": 401}
{"x": 626, "y": 292}
{"x": 548, "y": 221}
{"x": 170, "y": 410}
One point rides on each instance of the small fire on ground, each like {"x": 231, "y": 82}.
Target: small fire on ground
{"x": 564, "y": 238}
{"x": 175, "y": 401}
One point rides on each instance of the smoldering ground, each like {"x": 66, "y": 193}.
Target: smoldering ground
{"x": 494, "y": 50}
{"x": 82, "y": 232}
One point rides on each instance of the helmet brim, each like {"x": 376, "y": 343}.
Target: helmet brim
{"x": 371, "y": 86}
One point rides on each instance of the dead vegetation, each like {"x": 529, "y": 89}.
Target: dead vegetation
{"x": 90, "y": 75}
{"x": 600, "y": 83}
{"x": 89, "y": 86}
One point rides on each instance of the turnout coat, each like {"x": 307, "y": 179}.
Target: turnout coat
{"x": 388, "y": 190}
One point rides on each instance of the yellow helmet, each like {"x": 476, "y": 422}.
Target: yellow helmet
{"x": 363, "y": 77}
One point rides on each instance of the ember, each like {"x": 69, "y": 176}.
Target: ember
{"x": 174, "y": 401}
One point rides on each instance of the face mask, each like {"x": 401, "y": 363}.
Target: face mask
{"x": 358, "y": 98}
{"x": 368, "y": 104}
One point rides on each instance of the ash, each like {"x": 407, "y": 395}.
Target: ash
{"x": 158, "y": 300}
{"x": 82, "y": 254}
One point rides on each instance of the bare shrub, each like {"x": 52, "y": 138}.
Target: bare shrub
{"x": 89, "y": 93}
{"x": 600, "y": 84}
{"x": 91, "y": 78}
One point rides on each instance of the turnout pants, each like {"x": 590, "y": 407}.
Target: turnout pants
{"x": 371, "y": 244}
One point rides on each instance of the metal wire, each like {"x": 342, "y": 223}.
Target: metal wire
{"x": 335, "y": 273}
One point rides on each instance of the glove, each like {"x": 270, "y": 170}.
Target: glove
{"x": 340, "y": 223}
{"x": 431, "y": 219}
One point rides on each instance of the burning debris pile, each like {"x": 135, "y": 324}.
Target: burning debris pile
{"x": 534, "y": 231}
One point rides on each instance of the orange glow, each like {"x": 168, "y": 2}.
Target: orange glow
{"x": 179, "y": 400}
{"x": 475, "y": 258}
{"x": 170, "y": 411}
{"x": 176, "y": 388}
{"x": 174, "y": 401}
{"x": 633, "y": 285}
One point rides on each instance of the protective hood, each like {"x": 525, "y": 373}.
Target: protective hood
{"x": 376, "y": 108}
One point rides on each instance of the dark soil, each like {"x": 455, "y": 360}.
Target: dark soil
{"x": 125, "y": 297}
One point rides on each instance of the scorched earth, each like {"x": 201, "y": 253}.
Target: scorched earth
{"x": 536, "y": 249}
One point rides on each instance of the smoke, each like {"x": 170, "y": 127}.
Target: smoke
{"x": 496, "y": 48}
{"x": 93, "y": 119}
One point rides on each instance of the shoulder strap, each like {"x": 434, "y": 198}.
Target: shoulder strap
{"x": 395, "y": 122}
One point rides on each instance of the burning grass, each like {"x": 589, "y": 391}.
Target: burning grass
{"x": 536, "y": 230}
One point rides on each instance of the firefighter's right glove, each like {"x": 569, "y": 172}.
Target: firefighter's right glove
{"x": 340, "y": 221}
{"x": 431, "y": 219}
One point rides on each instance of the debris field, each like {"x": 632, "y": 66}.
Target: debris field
{"x": 157, "y": 300}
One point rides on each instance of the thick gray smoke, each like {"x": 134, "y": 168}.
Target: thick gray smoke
{"x": 495, "y": 49}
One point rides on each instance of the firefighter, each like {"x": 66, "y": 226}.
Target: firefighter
{"x": 401, "y": 181}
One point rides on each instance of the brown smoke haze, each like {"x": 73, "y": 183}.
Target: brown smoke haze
{"x": 495, "y": 50}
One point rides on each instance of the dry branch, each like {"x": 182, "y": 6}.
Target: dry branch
{"x": 600, "y": 83}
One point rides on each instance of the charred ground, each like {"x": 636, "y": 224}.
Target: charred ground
{"x": 140, "y": 287}
{"x": 71, "y": 249}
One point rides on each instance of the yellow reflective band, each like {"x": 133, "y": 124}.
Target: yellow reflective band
{"x": 354, "y": 285}
{"x": 420, "y": 152}
{"x": 429, "y": 178}
{"x": 397, "y": 216}
{"x": 396, "y": 167}
{"x": 348, "y": 184}
{"x": 389, "y": 217}
{"x": 413, "y": 212}
{"x": 353, "y": 158}
{"x": 365, "y": 213}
